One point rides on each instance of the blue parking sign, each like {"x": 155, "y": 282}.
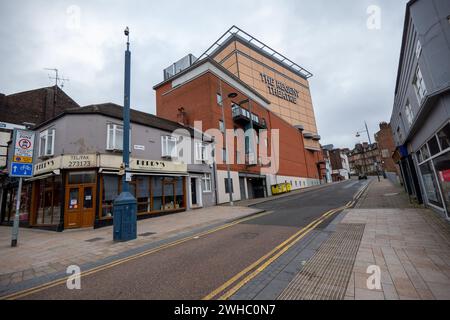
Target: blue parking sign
{"x": 21, "y": 169}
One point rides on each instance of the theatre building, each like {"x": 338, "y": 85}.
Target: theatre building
{"x": 259, "y": 89}
{"x": 77, "y": 170}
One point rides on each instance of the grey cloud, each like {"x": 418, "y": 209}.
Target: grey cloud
{"x": 354, "y": 68}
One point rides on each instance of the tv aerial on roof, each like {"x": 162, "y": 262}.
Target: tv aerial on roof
{"x": 58, "y": 80}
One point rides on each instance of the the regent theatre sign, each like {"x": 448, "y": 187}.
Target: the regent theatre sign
{"x": 280, "y": 89}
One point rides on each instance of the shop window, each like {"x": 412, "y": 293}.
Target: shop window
{"x": 110, "y": 191}
{"x": 48, "y": 198}
{"x": 81, "y": 177}
{"x": 157, "y": 193}
{"x": 10, "y": 196}
{"x": 442, "y": 166}
{"x": 141, "y": 188}
{"x": 47, "y": 143}
{"x": 425, "y": 153}
{"x": 169, "y": 147}
{"x": 227, "y": 190}
{"x": 419, "y": 85}
{"x": 444, "y": 137}
{"x": 169, "y": 195}
{"x": 179, "y": 193}
{"x": 206, "y": 182}
{"x": 433, "y": 146}
{"x": 419, "y": 156}
{"x": 430, "y": 184}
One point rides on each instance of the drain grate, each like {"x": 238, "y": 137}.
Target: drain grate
{"x": 146, "y": 234}
{"x": 94, "y": 239}
{"x": 326, "y": 275}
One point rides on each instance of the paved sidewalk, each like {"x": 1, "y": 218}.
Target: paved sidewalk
{"x": 44, "y": 253}
{"x": 410, "y": 245}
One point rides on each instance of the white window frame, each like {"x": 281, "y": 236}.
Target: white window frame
{"x": 165, "y": 140}
{"x": 201, "y": 152}
{"x": 112, "y": 145}
{"x": 419, "y": 85}
{"x": 418, "y": 49}
{"x": 44, "y": 148}
{"x": 409, "y": 113}
{"x": 207, "y": 183}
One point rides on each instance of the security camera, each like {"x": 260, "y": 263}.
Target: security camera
{"x": 127, "y": 31}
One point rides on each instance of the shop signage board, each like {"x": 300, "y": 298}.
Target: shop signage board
{"x": 22, "y": 157}
{"x": 80, "y": 161}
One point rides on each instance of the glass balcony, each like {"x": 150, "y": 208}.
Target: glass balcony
{"x": 243, "y": 115}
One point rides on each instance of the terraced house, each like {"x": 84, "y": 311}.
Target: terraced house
{"x": 77, "y": 168}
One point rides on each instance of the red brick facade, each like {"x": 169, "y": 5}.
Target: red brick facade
{"x": 198, "y": 98}
{"x": 386, "y": 145}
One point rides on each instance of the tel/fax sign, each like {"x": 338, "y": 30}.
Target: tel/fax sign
{"x": 22, "y": 155}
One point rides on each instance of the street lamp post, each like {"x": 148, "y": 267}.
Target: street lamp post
{"x": 125, "y": 205}
{"x": 230, "y": 96}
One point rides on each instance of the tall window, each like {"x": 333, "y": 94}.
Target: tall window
{"x": 47, "y": 143}
{"x": 201, "y": 151}
{"x": 418, "y": 49}
{"x": 114, "y": 140}
{"x": 206, "y": 182}
{"x": 169, "y": 146}
{"x": 409, "y": 113}
{"x": 419, "y": 85}
{"x": 221, "y": 126}
{"x": 219, "y": 99}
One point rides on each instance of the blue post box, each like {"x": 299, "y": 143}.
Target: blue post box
{"x": 124, "y": 217}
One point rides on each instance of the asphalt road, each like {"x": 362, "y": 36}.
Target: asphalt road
{"x": 194, "y": 268}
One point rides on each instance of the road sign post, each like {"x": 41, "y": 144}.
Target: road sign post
{"x": 21, "y": 166}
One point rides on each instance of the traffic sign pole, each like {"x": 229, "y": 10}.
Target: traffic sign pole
{"x": 15, "y": 230}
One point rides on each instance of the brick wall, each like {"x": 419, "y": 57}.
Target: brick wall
{"x": 34, "y": 106}
{"x": 199, "y": 101}
{"x": 385, "y": 141}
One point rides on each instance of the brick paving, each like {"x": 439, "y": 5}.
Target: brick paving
{"x": 45, "y": 253}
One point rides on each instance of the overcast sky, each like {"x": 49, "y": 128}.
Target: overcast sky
{"x": 354, "y": 66}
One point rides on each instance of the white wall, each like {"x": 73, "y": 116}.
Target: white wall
{"x": 224, "y": 197}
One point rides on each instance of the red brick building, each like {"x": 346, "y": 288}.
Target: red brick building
{"x": 386, "y": 146}
{"x": 195, "y": 93}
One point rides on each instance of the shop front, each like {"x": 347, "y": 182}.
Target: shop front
{"x": 78, "y": 191}
{"x": 433, "y": 160}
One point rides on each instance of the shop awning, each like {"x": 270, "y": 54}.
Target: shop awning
{"x": 44, "y": 176}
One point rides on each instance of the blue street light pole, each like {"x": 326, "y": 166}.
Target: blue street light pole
{"x": 126, "y": 113}
{"x": 125, "y": 205}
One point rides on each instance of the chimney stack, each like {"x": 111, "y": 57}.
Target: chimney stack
{"x": 181, "y": 116}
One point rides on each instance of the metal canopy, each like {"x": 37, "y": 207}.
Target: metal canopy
{"x": 260, "y": 46}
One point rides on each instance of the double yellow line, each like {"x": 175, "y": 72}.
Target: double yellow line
{"x": 230, "y": 287}
{"x": 263, "y": 262}
{"x": 227, "y": 289}
{"x": 57, "y": 282}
